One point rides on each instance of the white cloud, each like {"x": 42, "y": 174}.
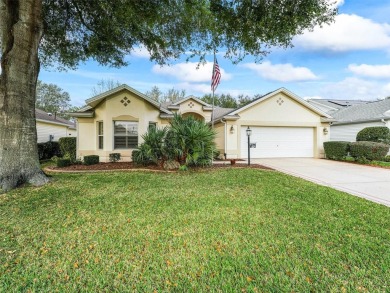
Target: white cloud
{"x": 281, "y": 72}
{"x": 356, "y": 88}
{"x": 140, "y": 52}
{"x": 375, "y": 71}
{"x": 188, "y": 72}
{"x": 347, "y": 33}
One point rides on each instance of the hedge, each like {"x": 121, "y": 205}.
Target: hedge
{"x": 376, "y": 134}
{"x": 91, "y": 160}
{"x": 369, "y": 150}
{"x": 336, "y": 150}
{"x": 68, "y": 147}
{"x": 63, "y": 162}
{"x": 114, "y": 157}
{"x": 47, "y": 150}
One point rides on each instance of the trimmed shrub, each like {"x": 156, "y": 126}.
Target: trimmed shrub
{"x": 336, "y": 150}
{"x": 91, "y": 160}
{"x": 68, "y": 147}
{"x": 387, "y": 159}
{"x": 63, "y": 162}
{"x": 376, "y": 134}
{"x": 47, "y": 150}
{"x": 141, "y": 156}
{"x": 369, "y": 150}
{"x": 115, "y": 157}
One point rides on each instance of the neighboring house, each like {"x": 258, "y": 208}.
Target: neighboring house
{"x": 331, "y": 106}
{"x": 50, "y": 127}
{"x": 350, "y": 120}
{"x": 283, "y": 125}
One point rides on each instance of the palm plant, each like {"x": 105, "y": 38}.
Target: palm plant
{"x": 152, "y": 149}
{"x": 192, "y": 140}
{"x": 187, "y": 141}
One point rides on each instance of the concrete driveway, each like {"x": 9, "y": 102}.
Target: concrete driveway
{"x": 367, "y": 182}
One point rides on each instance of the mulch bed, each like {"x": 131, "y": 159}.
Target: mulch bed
{"x": 131, "y": 166}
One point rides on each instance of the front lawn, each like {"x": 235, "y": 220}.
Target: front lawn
{"x": 229, "y": 230}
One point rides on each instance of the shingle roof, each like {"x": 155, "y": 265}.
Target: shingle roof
{"x": 219, "y": 112}
{"x": 42, "y": 115}
{"x": 364, "y": 112}
{"x": 340, "y": 103}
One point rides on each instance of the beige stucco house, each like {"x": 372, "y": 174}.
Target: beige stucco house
{"x": 282, "y": 124}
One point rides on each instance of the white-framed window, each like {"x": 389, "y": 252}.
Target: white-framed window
{"x": 152, "y": 125}
{"x": 125, "y": 134}
{"x": 100, "y": 135}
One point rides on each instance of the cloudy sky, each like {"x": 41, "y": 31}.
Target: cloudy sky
{"x": 350, "y": 59}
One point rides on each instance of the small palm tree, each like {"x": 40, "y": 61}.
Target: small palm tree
{"x": 187, "y": 140}
{"x": 192, "y": 140}
{"x": 152, "y": 149}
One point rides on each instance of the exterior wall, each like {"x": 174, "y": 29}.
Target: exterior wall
{"x": 192, "y": 106}
{"x": 348, "y": 132}
{"x": 44, "y": 130}
{"x": 72, "y": 132}
{"x": 272, "y": 112}
{"x": 220, "y": 138}
{"x": 110, "y": 110}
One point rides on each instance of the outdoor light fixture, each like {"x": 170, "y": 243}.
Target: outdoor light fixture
{"x": 249, "y": 133}
{"x": 326, "y": 131}
{"x": 232, "y": 129}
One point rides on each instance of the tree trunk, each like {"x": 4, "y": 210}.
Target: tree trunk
{"x": 20, "y": 33}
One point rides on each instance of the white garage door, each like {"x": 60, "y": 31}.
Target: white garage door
{"x": 278, "y": 142}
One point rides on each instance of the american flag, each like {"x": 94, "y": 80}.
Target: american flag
{"x": 216, "y": 78}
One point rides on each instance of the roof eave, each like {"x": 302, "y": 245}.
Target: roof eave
{"x": 361, "y": 121}
{"x": 82, "y": 114}
{"x": 166, "y": 116}
{"x": 194, "y": 98}
{"x": 104, "y": 95}
{"x": 287, "y": 92}
{"x": 324, "y": 119}
{"x": 53, "y": 122}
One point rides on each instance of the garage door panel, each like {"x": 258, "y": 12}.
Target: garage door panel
{"x": 278, "y": 142}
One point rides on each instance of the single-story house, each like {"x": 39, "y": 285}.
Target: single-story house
{"x": 50, "y": 127}
{"x": 350, "y": 120}
{"x": 282, "y": 124}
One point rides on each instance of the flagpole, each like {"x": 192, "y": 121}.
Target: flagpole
{"x": 212, "y": 112}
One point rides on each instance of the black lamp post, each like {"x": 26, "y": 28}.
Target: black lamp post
{"x": 248, "y": 133}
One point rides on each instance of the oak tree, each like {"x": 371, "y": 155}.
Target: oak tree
{"x": 35, "y": 33}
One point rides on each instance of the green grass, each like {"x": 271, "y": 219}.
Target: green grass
{"x": 226, "y": 230}
{"x": 381, "y": 164}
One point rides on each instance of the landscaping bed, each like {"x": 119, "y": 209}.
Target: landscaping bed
{"x": 131, "y": 166}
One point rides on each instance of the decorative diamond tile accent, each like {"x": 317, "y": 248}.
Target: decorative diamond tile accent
{"x": 191, "y": 104}
{"x": 280, "y": 101}
{"x": 125, "y": 101}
